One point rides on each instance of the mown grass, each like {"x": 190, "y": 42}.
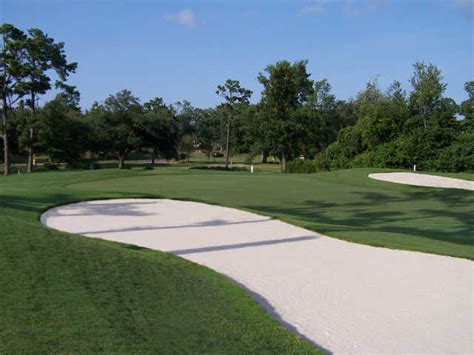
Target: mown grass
{"x": 68, "y": 294}
{"x": 344, "y": 204}
{"x": 65, "y": 293}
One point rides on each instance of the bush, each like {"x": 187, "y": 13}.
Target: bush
{"x": 299, "y": 166}
{"x": 459, "y": 156}
{"x": 366, "y": 159}
{"x": 333, "y": 158}
{"x": 50, "y": 166}
{"x": 389, "y": 155}
{"x": 148, "y": 167}
{"x": 84, "y": 164}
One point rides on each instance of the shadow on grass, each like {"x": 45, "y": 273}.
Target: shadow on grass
{"x": 41, "y": 202}
{"x": 389, "y": 212}
{"x": 33, "y": 203}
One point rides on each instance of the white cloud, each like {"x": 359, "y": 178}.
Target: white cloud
{"x": 315, "y": 7}
{"x": 184, "y": 17}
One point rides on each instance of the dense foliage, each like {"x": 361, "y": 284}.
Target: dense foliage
{"x": 396, "y": 130}
{"x": 296, "y": 117}
{"x": 299, "y": 166}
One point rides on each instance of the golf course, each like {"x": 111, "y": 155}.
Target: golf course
{"x": 66, "y": 293}
{"x": 212, "y": 177}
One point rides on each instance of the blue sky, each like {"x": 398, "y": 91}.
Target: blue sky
{"x": 183, "y": 50}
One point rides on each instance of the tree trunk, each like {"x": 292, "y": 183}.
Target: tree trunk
{"x": 227, "y": 143}
{"x": 283, "y": 162}
{"x": 264, "y": 157}
{"x": 6, "y": 160}
{"x": 121, "y": 160}
{"x": 153, "y": 157}
{"x": 29, "y": 167}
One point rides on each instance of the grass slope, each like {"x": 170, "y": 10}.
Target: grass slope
{"x": 64, "y": 293}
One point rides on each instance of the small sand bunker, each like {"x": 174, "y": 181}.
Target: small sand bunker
{"x": 424, "y": 180}
{"x": 345, "y": 297}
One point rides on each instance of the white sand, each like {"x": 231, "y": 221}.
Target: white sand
{"x": 424, "y": 180}
{"x": 345, "y": 297}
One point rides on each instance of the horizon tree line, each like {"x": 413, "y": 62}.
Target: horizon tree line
{"x": 296, "y": 117}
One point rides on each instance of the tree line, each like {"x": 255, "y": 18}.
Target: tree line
{"x": 296, "y": 117}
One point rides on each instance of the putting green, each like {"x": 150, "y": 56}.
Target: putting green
{"x": 343, "y": 204}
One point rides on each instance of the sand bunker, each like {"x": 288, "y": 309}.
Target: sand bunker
{"x": 345, "y": 297}
{"x": 424, "y": 180}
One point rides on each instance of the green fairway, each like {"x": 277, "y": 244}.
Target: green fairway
{"x": 65, "y": 293}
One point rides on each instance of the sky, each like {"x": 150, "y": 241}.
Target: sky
{"x": 183, "y": 49}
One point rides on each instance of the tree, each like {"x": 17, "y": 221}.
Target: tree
{"x": 322, "y": 99}
{"x": 286, "y": 87}
{"x": 61, "y": 132}
{"x": 157, "y": 128}
{"x": 255, "y": 135}
{"x": 185, "y": 147}
{"x": 467, "y": 107}
{"x": 43, "y": 55}
{"x": 209, "y": 130}
{"x": 13, "y": 72}
{"x": 324, "y": 105}
{"x": 184, "y": 112}
{"x": 70, "y": 96}
{"x": 185, "y": 122}
{"x": 428, "y": 90}
{"x": 233, "y": 95}
{"x": 377, "y": 123}
{"x": 115, "y": 124}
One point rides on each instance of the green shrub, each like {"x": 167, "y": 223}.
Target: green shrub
{"x": 85, "y": 164}
{"x": 321, "y": 163}
{"x": 333, "y": 158}
{"x": 366, "y": 159}
{"x": 393, "y": 154}
{"x": 299, "y": 166}
{"x": 459, "y": 156}
{"x": 50, "y": 166}
{"x": 94, "y": 166}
